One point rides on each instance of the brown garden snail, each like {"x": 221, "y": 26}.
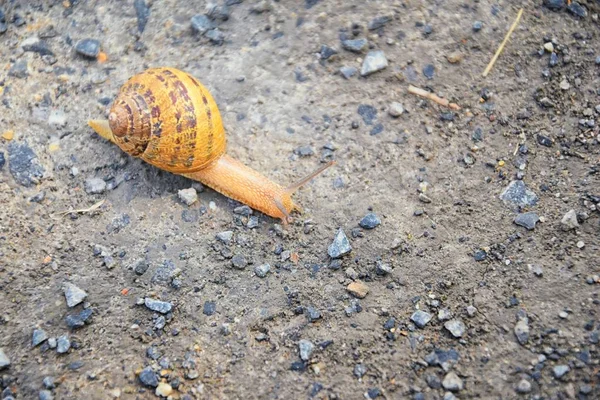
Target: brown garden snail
{"x": 169, "y": 119}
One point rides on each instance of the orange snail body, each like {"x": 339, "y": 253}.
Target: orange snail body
{"x": 169, "y": 119}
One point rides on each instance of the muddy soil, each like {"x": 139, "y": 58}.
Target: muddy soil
{"x": 454, "y": 300}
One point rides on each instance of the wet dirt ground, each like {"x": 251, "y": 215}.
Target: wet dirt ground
{"x": 506, "y": 311}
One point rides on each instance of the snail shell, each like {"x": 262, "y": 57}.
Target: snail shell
{"x": 169, "y": 119}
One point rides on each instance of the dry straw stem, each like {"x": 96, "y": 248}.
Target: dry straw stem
{"x": 510, "y": 31}
{"x": 431, "y": 96}
{"x": 93, "y": 207}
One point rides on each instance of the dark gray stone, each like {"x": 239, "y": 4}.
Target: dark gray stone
{"x": 148, "y": 377}
{"x": 370, "y": 221}
{"x": 348, "y": 72}
{"x": 527, "y": 220}
{"x": 518, "y": 194}
{"x": 142, "y": 11}
{"x": 24, "y": 165}
{"x": 38, "y": 337}
{"x": 164, "y": 274}
{"x": 368, "y": 113}
{"x": 262, "y": 270}
{"x": 355, "y": 45}
{"x": 560, "y": 370}
{"x": 577, "y": 9}
{"x": 89, "y": 48}
{"x": 35, "y": 45}
{"x": 327, "y": 52}
{"x": 78, "y": 320}
{"x": 210, "y": 308}
{"x": 420, "y": 318}
{"x": 429, "y": 71}
{"x": 522, "y": 331}
{"x": 215, "y": 36}
{"x": 239, "y": 261}
{"x": 378, "y": 23}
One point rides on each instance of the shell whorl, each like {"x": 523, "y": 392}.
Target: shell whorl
{"x": 169, "y": 119}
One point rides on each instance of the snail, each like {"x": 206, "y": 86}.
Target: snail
{"x": 167, "y": 118}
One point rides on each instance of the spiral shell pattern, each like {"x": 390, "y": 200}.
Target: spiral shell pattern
{"x": 169, "y": 119}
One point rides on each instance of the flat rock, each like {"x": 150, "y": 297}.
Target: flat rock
{"x": 527, "y": 220}
{"x": 89, "y": 48}
{"x": 38, "y": 337}
{"x": 355, "y": 45}
{"x": 188, "y": 196}
{"x": 162, "y": 307}
{"x": 262, "y": 270}
{"x": 348, "y": 72}
{"x": 340, "y": 245}
{"x": 420, "y": 318}
{"x": 73, "y": 294}
{"x": 560, "y": 370}
{"x": 148, "y": 377}
{"x": 456, "y": 327}
{"x": 24, "y": 165}
{"x": 374, "y": 61}
{"x": 518, "y": 194}
{"x": 305, "y": 348}
{"x": 201, "y": 24}
{"x": 358, "y": 289}
{"x": 225, "y": 236}
{"x": 370, "y": 221}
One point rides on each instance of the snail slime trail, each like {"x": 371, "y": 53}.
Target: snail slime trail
{"x": 169, "y": 119}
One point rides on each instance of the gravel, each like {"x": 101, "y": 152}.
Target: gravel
{"x": 73, "y": 294}
{"x": 569, "y": 221}
{"x": 45, "y": 395}
{"x": 340, "y": 245}
{"x": 456, "y": 327}
{"x": 523, "y": 387}
{"x": 142, "y": 11}
{"x": 348, "y": 72}
{"x": 95, "y": 186}
{"x": 188, "y": 196}
{"x": 89, "y": 48}
{"x": 518, "y": 194}
{"x": 225, "y": 237}
{"x": 355, "y": 45}
{"x": 201, "y": 24}
{"x": 4, "y": 360}
{"x": 527, "y": 220}
{"x": 378, "y": 23}
{"x": 429, "y": 71}
{"x": 148, "y": 377}
{"x": 560, "y": 370}
{"x": 38, "y": 337}
{"x": 395, "y": 110}
{"x": 452, "y": 382}
{"x": 162, "y": 307}
{"x": 262, "y": 270}
{"x": 358, "y": 289}
{"x": 210, "y": 308}
{"x": 78, "y": 320}
{"x": 24, "y": 165}
{"x": 360, "y": 370}
{"x": 19, "y": 69}
{"x": 370, "y": 221}
{"x": 306, "y": 348}
{"x": 421, "y": 318}
{"x": 238, "y": 261}
{"x": 374, "y": 61}
{"x": 63, "y": 344}
{"x": 522, "y": 331}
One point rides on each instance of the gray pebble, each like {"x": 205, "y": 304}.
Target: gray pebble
{"x": 313, "y": 314}
{"x": 374, "y": 61}
{"x": 452, "y": 382}
{"x": 370, "y": 221}
{"x": 38, "y": 337}
{"x": 239, "y": 261}
{"x": 45, "y": 395}
{"x": 225, "y": 237}
{"x": 355, "y": 45}
{"x": 252, "y": 222}
{"x": 560, "y": 370}
{"x": 527, "y": 220}
{"x": 396, "y": 109}
{"x": 153, "y": 353}
{"x": 577, "y": 9}
{"x": 210, "y": 308}
{"x": 141, "y": 266}
{"x": 522, "y": 331}
{"x": 304, "y": 151}
{"x": 88, "y": 48}
{"x": 243, "y": 210}
{"x": 215, "y": 36}
{"x": 383, "y": 269}
{"x": 4, "y": 360}
{"x": 305, "y": 347}
{"x": 148, "y": 377}
{"x": 63, "y": 344}
{"x": 48, "y": 382}
{"x": 262, "y": 270}
{"x": 456, "y": 327}
{"x": 162, "y": 307}
{"x": 78, "y": 320}
{"x": 35, "y": 45}
{"x": 420, "y": 318}
{"x": 360, "y": 370}
{"x": 188, "y": 196}
{"x": 444, "y": 314}
{"x": 471, "y": 311}
{"x": 553, "y": 62}
{"x": 327, "y": 52}
{"x": 142, "y": 12}
{"x": 429, "y": 71}
{"x": 477, "y": 25}
{"x": 569, "y": 221}
{"x": 23, "y": 164}
{"x": 348, "y": 72}
{"x": 524, "y": 386}
{"x": 201, "y": 24}
{"x": 2, "y": 160}
{"x": 52, "y": 343}
{"x": 339, "y": 246}
{"x": 95, "y": 186}
{"x": 73, "y": 294}
{"x": 19, "y": 69}
{"x": 518, "y": 194}
{"x": 378, "y": 23}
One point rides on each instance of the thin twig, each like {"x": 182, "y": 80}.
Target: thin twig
{"x": 510, "y": 31}
{"x": 93, "y": 207}
{"x": 433, "y": 97}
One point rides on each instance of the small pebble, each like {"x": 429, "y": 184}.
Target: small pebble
{"x": 522, "y": 331}
{"x": 370, "y": 221}
{"x": 4, "y": 360}
{"x": 188, "y": 196}
{"x": 95, "y": 186}
{"x": 429, "y": 71}
{"x": 210, "y": 308}
{"x": 348, "y": 72}
{"x": 358, "y": 289}
{"x": 378, "y": 23}
{"x": 477, "y": 25}
{"x": 569, "y": 221}
{"x": 262, "y": 270}
{"x": 355, "y": 45}
{"x": 471, "y": 311}
{"x": 456, "y": 327}
{"x": 162, "y": 307}
{"x": 560, "y": 370}
{"x": 45, "y": 395}
{"x": 421, "y": 318}
{"x": 527, "y": 220}
{"x": 396, "y": 109}
{"x": 201, "y": 24}
{"x": 38, "y": 337}
{"x": 148, "y": 377}
{"x": 57, "y": 118}
{"x": 48, "y": 382}
{"x": 580, "y": 244}
{"x": 163, "y": 389}
{"x": 524, "y": 386}
{"x": 340, "y": 245}
{"x": 374, "y": 61}
{"x": 305, "y": 348}
{"x": 225, "y": 236}
{"x": 238, "y": 261}
{"x": 63, "y": 344}
{"x": 88, "y": 48}
{"x": 73, "y": 294}
{"x": 360, "y": 370}
{"x": 549, "y": 47}
{"x": 452, "y": 382}
{"x": 444, "y": 314}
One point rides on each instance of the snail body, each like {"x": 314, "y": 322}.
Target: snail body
{"x": 167, "y": 118}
